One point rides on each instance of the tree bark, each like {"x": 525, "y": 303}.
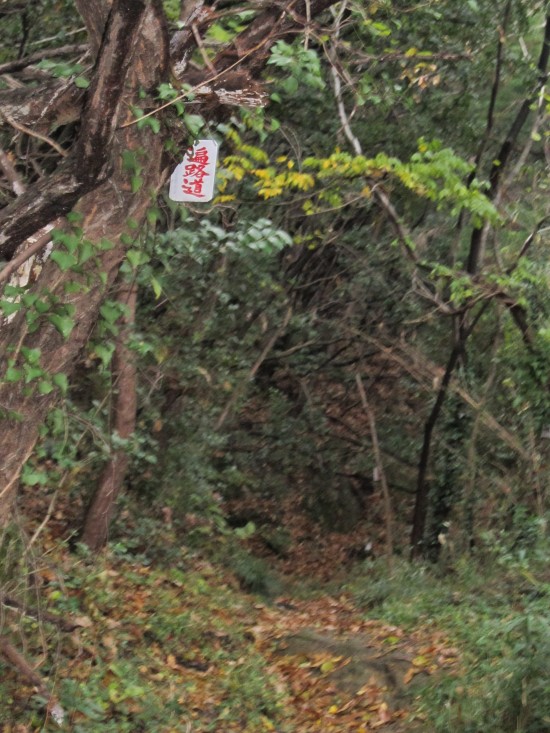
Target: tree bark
{"x": 108, "y": 212}
{"x": 98, "y": 517}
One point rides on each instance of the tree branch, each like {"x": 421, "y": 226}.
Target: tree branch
{"x": 89, "y": 163}
{"x": 479, "y": 234}
{"x": 33, "y": 58}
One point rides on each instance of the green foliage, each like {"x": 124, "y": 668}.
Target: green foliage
{"x": 302, "y": 67}
{"x": 495, "y": 612}
{"x": 254, "y": 574}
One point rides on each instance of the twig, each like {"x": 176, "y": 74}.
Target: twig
{"x": 253, "y": 369}
{"x": 194, "y": 89}
{"x": 38, "y": 135}
{"x": 63, "y": 623}
{"x": 388, "y": 514}
{"x": 33, "y": 58}
{"x": 17, "y": 660}
{"x": 32, "y": 249}
{"x": 200, "y": 46}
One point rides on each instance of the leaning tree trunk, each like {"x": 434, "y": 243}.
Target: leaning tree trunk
{"x": 123, "y": 412}
{"x": 109, "y": 211}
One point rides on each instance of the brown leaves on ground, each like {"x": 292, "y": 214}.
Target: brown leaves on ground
{"x": 186, "y": 639}
{"x": 323, "y": 699}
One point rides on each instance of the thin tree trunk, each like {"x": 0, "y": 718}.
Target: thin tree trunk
{"x": 475, "y": 259}
{"x": 109, "y": 213}
{"x": 98, "y": 517}
{"x": 388, "y": 513}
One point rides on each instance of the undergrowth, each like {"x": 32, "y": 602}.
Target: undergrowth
{"x": 157, "y": 646}
{"x": 494, "y": 607}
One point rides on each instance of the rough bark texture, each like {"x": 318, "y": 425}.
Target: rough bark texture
{"x": 90, "y": 162}
{"x": 106, "y": 211}
{"x": 98, "y": 517}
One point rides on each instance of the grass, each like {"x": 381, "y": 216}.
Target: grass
{"x": 496, "y": 612}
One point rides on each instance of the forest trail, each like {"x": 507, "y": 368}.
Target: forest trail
{"x": 344, "y": 672}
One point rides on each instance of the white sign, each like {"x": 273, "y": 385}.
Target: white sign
{"x": 193, "y": 179}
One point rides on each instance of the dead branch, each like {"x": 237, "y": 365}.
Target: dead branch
{"x": 22, "y": 63}
{"x": 36, "y": 243}
{"x": 63, "y": 623}
{"x": 39, "y": 136}
{"x": 254, "y": 369}
{"x": 388, "y": 513}
{"x": 90, "y": 162}
{"x": 17, "y": 660}
{"x": 11, "y": 174}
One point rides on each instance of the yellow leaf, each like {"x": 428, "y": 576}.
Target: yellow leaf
{"x": 421, "y": 661}
{"x": 171, "y": 662}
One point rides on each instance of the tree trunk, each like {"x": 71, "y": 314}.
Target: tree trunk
{"x": 100, "y": 511}
{"x": 109, "y": 213}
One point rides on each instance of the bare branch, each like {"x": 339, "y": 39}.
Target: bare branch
{"x": 36, "y": 244}
{"x": 388, "y": 513}
{"x": 27, "y": 131}
{"x": 89, "y": 164}
{"x": 34, "y": 58}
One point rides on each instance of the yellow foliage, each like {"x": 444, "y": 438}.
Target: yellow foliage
{"x": 301, "y": 181}
{"x": 270, "y": 192}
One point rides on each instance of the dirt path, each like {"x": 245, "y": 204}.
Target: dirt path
{"x": 346, "y": 673}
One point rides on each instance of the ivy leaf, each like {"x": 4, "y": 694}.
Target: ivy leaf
{"x": 61, "y": 382}
{"x": 110, "y": 313}
{"x": 64, "y": 324}
{"x": 64, "y": 260}
{"x": 12, "y": 374}
{"x": 105, "y": 353}
{"x": 45, "y": 387}
{"x": 8, "y": 307}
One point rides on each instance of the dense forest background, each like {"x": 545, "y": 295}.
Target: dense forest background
{"x": 330, "y": 381}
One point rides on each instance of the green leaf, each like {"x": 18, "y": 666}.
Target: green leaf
{"x": 32, "y": 477}
{"x": 45, "y": 387}
{"x": 105, "y": 353}
{"x": 8, "y": 307}
{"x": 64, "y": 260}
{"x": 85, "y": 252}
{"x": 12, "y": 374}
{"x": 31, "y": 356}
{"x": 136, "y": 257}
{"x": 110, "y": 313}
{"x": 32, "y": 372}
{"x": 194, "y": 124}
{"x": 64, "y": 324}
{"x": 157, "y": 287}
{"x": 81, "y": 82}
{"x": 60, "y": 380}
